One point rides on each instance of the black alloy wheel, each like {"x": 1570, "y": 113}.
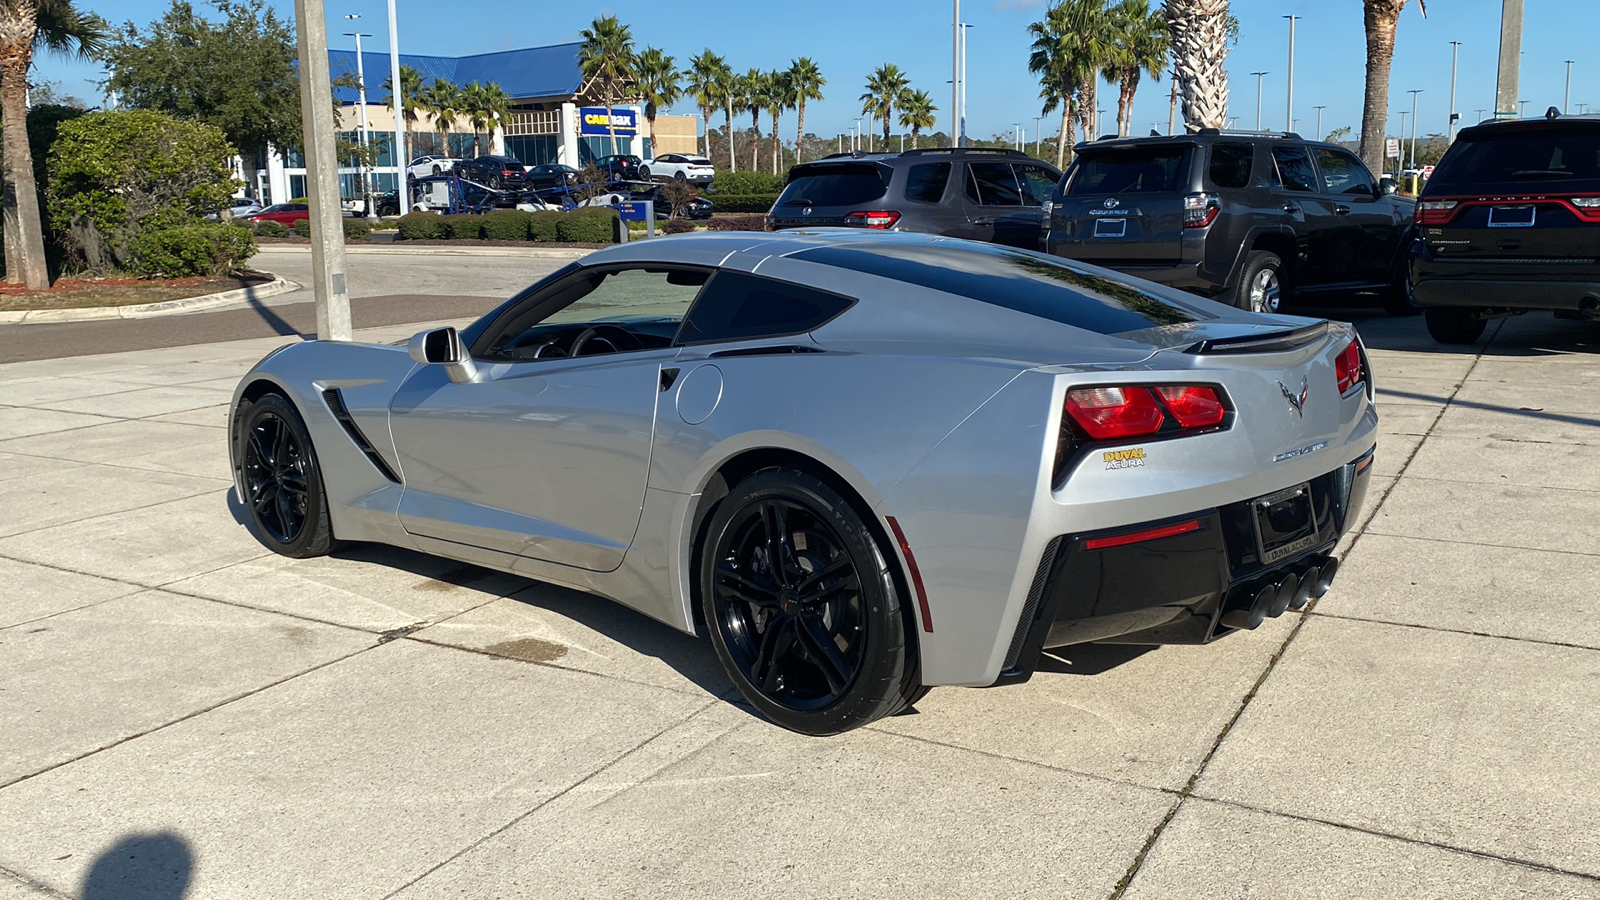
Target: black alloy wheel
{"x": 802, "y": 608}
{"x": 281, "y": 480}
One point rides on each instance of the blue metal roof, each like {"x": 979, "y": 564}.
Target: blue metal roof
{"x": 531, "y": 72}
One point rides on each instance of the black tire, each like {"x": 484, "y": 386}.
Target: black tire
{"x": 1397, "y": 297}
{"x": 821, "y": 644}
{"x": 679, "y": 177}
{"x": 282, "y": 480}
{"x": 437, "y": 170}
{"x": 1263, "y": 284}
{"x": 644, "y": 173}
{"x": 1454, "y": 324}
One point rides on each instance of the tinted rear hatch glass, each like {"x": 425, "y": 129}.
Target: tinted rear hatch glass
{"x": 1123, "y": 206}
{"x": 823, "y": 193}
{"x": 1524, "y": 159}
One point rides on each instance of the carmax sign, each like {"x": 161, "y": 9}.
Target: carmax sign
{"x": 592, "y": 121}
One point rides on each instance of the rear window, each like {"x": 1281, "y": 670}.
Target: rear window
{"x": 848, "y": 184}
{"x": 925, "y": 183}
{"x": 1563, "y": 158}
{"x": 1032, "y": 283}
{"x": 1230, "y": 164}
{"x": 1143, "y": 170}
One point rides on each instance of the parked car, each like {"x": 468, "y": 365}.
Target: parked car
{"x": 1251, "y": 219}
{"x": 1510, "y": 222}
{"x": 678, "y": 167}
{"x": 282, "y": 213}
{"x": 548, "y": 176}
{"x": 423, "y": 166}
{"x": 620, "y": 167}
{"x": 695, "y": 207}
{"x": 241, "y": 208}
{"x": 498, "y": 172}
{"x": 975, "y": 452}
{"x": 388, "y": 203}
{"x": 990, "y": 195}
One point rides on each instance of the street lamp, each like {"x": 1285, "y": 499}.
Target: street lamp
{"x": 1566, "y": 101}
{"x": 361, "y": 91}
{"x": 402, "y": 191}
{"x": 1455, "y": 50}
{"x": 1258, "y": 76}
{"x": 964, "y": 27}
{"x": 1319, "y": 110}
{"x": 1401, "y": 156}
{"x": 1038, "y": 136}
{"x": 1414, "y": 125}
{"x": 1016, "y": 133}
{"x": 1522, "y": 109}
{"x": 1288, "y": 116}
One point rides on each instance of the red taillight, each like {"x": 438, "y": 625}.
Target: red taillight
{"x": 878, "y": 218}
{"x": 1435, "y": 212}
{"x": 1587, "y": 208}
{"x": 1347, "y": 366}
{"x": 1115, "y": 413}
{"x": 1200, "y": 210}
{"x": 1139, "y": 537}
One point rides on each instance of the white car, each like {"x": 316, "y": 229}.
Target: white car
{"x": 678, "y": 166}
{"x": 423, "y": 166}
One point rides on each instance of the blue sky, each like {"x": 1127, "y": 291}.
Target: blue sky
{"x": 848, "y": 38}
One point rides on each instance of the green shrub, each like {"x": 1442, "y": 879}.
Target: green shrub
{"x": 743, "y": 203}
{"x": 463, "y": 226}
{"x": 738, "y": 223}
{"x": 205, "y": 249}
{"x": 746, "y": 183}
{"x": 421, "y": 226}
{"x": 269, "y": 228}
{"x": 506, "y": 225}
{"x": 678, "y": 226}
{"x": 301, "y": 228}
{"x": 543, "y": 226}
{"x": 587, "y": 226}
{"x": 357, "y": 230}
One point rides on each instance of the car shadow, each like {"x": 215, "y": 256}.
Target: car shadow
{"x": 155, "y": 866}
{"x": 1089, "y": 659}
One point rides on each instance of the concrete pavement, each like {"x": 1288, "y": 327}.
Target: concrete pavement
{"x": 187, "y": 715}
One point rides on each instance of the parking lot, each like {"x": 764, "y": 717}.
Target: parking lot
{"x": 189, "y": 715}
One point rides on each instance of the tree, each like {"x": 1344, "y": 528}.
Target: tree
{"x": 410, "y": 96}
{"x": 708, "y": 74}
{"x": 916, "y": 113}
{"x": 1381, "y": 17}
{"x": 657, "y": 84}
{"x": 606, "y": 60}
{"x": 1138, "y": 43}
{"x": 441, "y": 100}
{"x": 484, "y": 105}
{"x": 25, "y": 26}
{"x": 1338, "y": 134}
{"x": 780, "y": 96}
{"x": 729, "y": 88}
{"x": 116, "y": 174}
{"x": 1069, "y": 48}
{"x": 237, "y": 74}
{"x": 755, "y": 85}
{"x": 807, "y": 81}
{"x": 1199, "y": 30}
{"x": 884, "y": 88}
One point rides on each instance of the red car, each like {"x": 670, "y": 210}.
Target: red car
{"x": 283, "y": 213}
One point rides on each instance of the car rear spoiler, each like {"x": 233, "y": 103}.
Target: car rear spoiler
{"x": 1271, "y": 342}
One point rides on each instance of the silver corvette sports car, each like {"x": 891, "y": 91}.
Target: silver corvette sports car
{"x": 864, "y": 464}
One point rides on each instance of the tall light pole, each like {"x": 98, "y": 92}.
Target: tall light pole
{"x": 1414, "y": 126}
{"x": 1401, "y": 156}
{"x": 361, "y": 91}
{"x": 1455, "y": 51}
{"x": 955, "y": 74}
{"x": 1258, "y": 76}
{"x": 963, "y": 98}
{"x": 328, "y": 287}
{"x": 1038, "y": 136}
{"x": 1319, "y": 110}
{"x": 1288, "y": 116}
{"x": 1016, "y": 134}
{"x": 1522, "y": 109}
{"x": 1566, "y": 100}
{"x": 402, "y": 191}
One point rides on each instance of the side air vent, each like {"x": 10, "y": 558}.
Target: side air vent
{"x": 1030, "y": 610}
{"x": 335, "y": 401}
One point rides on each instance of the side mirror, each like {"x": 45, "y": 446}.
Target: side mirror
{"x": 442, "y": 346}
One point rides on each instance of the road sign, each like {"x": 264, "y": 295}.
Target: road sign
{"x": 1392, "y": 148}
{"x": 1427, "y": 172}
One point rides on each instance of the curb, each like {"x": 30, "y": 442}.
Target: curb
{"x": 436, "y": 250}
{"x": 145, "y": 310}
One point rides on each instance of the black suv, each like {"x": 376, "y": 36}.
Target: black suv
{"x": 498, "y": 172}
{"x": 1510, "y": 222}
{"x": 975, "y": 193}
{"x": 1248, "y": 218}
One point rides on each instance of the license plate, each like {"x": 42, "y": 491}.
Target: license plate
{"x": 1285, "y": 523}
{"x": 1110, "y": 227}
{"x": 1511, "y": 216}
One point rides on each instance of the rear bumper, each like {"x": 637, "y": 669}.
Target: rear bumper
{"x": 1171, "y": 590}
{"x": 1530, "y": 284}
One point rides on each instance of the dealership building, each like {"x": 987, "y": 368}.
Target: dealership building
{"x": 555, "y": 117}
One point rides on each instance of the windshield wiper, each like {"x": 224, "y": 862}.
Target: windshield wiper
{"x": 1540, "y": 173}
{"x": 798, "y": 201}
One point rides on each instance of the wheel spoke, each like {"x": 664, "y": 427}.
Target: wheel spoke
{"x": 280, "y": 444}
{"x": 775, "y": 518}
{"x": 261, "y": 495}
{"x": 811, "y": 582}
{"x": 735, "y": 584}
{"x": 258, "y": 443}
{"x": 822, "y": 650}
{"x": 294, "y": 481}
{"x": 774, "y": 643}
{"x": 287, "y": 518}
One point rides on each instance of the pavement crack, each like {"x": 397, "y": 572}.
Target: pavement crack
{"x": 36, "y": 886}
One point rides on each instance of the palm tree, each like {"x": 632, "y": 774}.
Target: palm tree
{"x": 1069, "y": 48}
{"x": 1138, "y": 44}
{"x": 607, "y": 62}
{"x": 754, "y": 88}
{"x": 442, "y": 101}
{"x": 1199, "y": 32}
{"x": 729, "y": 87}
{"x": 485, "y": 105}
{"x": 706, "y": 78}
{"x": 25, "y": 26}
{"x": 884, "y": 88}
{"x": 916, "y": 113}
{"x": 410, "y": 97}
{"x": 780, "y": 96}
{"x": 807, "y": 81}
{"x": 1382, "y": 18}
{"x": 657, "y": 84}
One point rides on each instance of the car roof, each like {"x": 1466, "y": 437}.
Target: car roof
{"x": 1545, "y": 122}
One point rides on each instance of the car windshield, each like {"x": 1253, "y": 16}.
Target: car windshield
{"x": 835, "y": 184}
{"x": 1138, "y": 170}
{"x": 1561, "y": 156}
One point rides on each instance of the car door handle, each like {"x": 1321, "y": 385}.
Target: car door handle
{"x": 1341, "y": 210}
{"x": 1290, "y": 208}
{"x": 983, "y": 220}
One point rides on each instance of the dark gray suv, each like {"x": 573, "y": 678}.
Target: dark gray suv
{"x": 1248, "y": 218}
{"x": 974, "y": 193}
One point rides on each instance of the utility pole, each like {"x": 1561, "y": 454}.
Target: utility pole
{"x": 1566, "y": 100}
{"x": 1289, "y": 114}
{"x": 964, "y": 27}
{"x": 361, "y": 90}
{"x": 955, "y": 75}
{"x": 1319, "y": 110}
{"x": 1038, "y": 136}
{"x": 1506, "y": 83}
{"x": 1455, "y": 51}
{"x": 402, "y": 190}
{"x": 1414, "y": 126}
{"x": 1401, "y": 157}
{"x": 322, "y": 174}
{"x": 1258, "y": 76}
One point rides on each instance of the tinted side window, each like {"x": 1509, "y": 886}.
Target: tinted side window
{"x": 737, "y": 306}
{"x": 995, "y": 184}
{"x": 1230, "y": 164}
{"x": 925, "y": 183}
{"x": 1038, "y": 183}
{"x": 1292, "y": 168}
{"x": 1343, "y": 173}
